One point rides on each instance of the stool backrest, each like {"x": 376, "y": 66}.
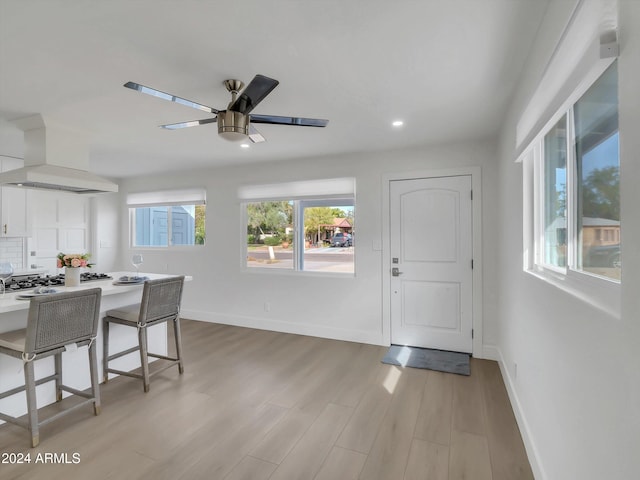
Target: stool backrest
{"x": 161, "y": 299}
{"x": 61, "y": 319}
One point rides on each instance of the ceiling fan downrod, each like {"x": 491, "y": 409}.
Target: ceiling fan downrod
{"x": 233, "y": 126}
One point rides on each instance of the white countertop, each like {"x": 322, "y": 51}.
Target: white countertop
{"x": 9, "y": 303}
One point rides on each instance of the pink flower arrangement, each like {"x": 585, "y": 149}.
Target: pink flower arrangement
{"x": 74, "y": 260}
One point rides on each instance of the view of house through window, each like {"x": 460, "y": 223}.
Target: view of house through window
{"x": 305, "y": 235}
{"x": 581, "y": 185}
{"x": 598, "y": 172}
{"x": 167, "y": 218}
{"x": 161, "y": 226}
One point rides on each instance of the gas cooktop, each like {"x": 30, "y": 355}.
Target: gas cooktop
{"x": 50, "y": 281}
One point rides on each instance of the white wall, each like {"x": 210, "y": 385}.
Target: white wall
{"x": 348, "y": 308}
{"x": 576, "y": 388}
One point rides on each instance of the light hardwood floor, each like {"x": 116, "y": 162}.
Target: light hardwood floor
{"x": 263, "y": 405}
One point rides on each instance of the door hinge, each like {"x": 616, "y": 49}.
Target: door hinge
{"x": 472, "y": 333}
{"x": 471, "y": 194}
{"x": 472, "y": 264}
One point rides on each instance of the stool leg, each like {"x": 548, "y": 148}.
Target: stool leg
{"x": 32, "y": 406}
{"x": 93, "y": 370}
{"x": 144, "y": 359}
{"x": 58, "y": 372}
{"x": 105, "y": 351}
{"x": 178, "y": 337}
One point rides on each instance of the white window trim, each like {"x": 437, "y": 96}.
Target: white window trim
{"x": 598, "y": 291}
{"x": 191, "y": 196}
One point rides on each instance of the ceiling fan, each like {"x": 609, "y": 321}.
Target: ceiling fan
{"x": 235, "y": 123}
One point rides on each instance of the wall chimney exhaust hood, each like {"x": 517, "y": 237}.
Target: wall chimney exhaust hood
{"x": 55, "y": 159}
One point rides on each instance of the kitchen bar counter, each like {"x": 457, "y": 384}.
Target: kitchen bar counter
{"x": 13, "y": 316}
{"x": 10, "y": 303}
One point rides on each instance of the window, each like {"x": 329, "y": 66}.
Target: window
{"x": 555, "y": 195}
{"x": 598, "y": 173}
{"x": 169, "y": 218}
{"x": 270, "y": 224}
{"x": 576, "y": 194}
{"x": 307, "y": 231}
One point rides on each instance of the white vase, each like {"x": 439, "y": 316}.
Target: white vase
{"x": 71, "y": 277}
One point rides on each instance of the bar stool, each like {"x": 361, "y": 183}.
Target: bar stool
{"x": 160, "y": 303}
{"x": 54, "y": 323}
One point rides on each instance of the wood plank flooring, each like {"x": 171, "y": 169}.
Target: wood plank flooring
{"x": 258, "y": 405}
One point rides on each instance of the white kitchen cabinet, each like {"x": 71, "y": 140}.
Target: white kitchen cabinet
{"x": 14, "y": 211}
{"x": 61, "y": 223}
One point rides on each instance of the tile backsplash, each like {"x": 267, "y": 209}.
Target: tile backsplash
{"x": 11, "y": 250}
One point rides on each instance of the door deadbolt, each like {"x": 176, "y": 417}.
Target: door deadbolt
{"x": 395, "y": 271}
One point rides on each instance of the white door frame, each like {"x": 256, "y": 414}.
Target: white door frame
{"x": 476, "y": 185}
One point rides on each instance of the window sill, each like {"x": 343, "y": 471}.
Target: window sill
{"x": 597, "y": 292}
{"x": 165, "y": 248}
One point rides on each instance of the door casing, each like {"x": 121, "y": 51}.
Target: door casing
{"x": 476, "y": 185}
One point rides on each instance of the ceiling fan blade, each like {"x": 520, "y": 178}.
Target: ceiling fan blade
{"x": 304, "y": 122}
{"x": 255, "y": 136}
{"x": 255, "y": 92}
{"x": 167, "y": 96}
{"x": 193, "y": 123}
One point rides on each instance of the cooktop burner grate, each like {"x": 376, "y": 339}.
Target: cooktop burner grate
{"x": 52, "y": 281}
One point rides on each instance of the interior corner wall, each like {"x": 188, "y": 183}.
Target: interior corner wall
{"x": 340, "y": 307}
{"x": 573, "y": 372}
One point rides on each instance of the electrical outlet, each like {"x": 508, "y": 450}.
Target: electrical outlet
{"x": 267, "y": 307}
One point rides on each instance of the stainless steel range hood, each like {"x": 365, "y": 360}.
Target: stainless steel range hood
{"x": 55, "y": 159}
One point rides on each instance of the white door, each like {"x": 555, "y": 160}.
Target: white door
{"x": 431, "y": 263}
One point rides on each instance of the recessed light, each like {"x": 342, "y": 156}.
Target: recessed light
{"x": 244, "y": 145}
{"x": 397, "y": 123}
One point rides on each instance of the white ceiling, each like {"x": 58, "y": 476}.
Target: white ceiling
{"x": 445, "y": 67}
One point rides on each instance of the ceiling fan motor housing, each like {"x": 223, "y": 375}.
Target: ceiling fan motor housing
{"x": 233, "y": 126}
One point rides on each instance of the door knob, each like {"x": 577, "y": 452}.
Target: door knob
{"x": 395, "y": 271}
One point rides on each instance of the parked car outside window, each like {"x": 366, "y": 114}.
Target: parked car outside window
{"x": 341, "y": 240}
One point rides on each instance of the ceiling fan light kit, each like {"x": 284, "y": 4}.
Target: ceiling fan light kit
{"x": 234, "y": 123}
{"x": 233, "y": 126}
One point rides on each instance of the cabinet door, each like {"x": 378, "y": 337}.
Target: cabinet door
{"x": 14, "y": 219}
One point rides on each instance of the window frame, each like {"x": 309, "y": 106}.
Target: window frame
{"x": 302, "y": 194}
{"x": 299, "y": 207}
{"x": 164, "y": 199}
{"x": 598, "y": 290}
{"x": 298, "y": 236}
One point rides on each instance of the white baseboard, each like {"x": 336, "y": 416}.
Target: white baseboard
{"x": 492, "y": 352}
{"x": 259, "y": 323}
